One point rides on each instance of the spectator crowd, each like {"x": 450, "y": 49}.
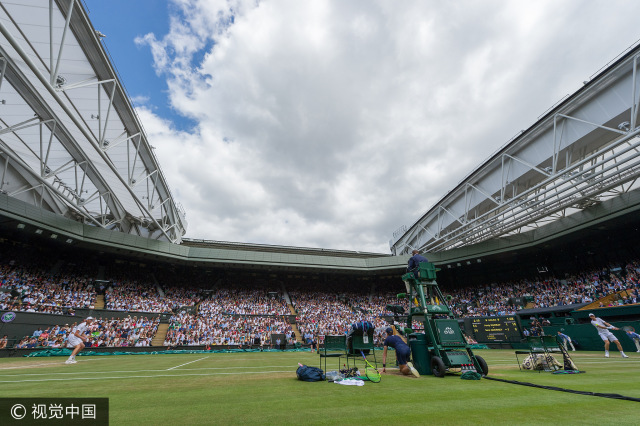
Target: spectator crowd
{"x": 31, "y": 290}
{"x": 126, "y": 332}
{"x": 494, "y": 299}
{"x": 245, "y": 312}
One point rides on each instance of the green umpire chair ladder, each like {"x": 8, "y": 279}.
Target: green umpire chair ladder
{"x": 334, "y": 347}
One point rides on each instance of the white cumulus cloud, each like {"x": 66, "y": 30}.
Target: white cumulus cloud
{"x": 331, "y": 123}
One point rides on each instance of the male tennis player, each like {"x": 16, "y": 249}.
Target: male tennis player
{"x": 77, "y": 339}
{"x": 402, "y": 354}
{"x": 603, "y": 328}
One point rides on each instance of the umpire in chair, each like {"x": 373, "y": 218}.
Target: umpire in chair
{"x": 415, "y": 261}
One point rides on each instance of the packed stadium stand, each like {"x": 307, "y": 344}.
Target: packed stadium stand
{"x": 243, "y": 309}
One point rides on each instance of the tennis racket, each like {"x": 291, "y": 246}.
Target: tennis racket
{"x": 628, "y": 328}
{"x": 370, "y": 371}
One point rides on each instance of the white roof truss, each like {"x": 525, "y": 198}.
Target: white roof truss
{"x": 70, "y": 140}
{"x": 586, "y": 150}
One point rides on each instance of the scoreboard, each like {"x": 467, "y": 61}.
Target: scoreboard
{"x": 495, "y": 329}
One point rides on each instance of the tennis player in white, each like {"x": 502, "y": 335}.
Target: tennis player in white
{"x": 603, "y": 328}
{"x": 77, "y": 339}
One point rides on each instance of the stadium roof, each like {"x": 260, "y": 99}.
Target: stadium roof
{"x": 600, "y": 227}
{"x": 72, "y": 144}
{"x": 583, "y": 151}
{"x": 70, "y": 141}
{"x": 279, "y": 249}
{"x": 19, "y": 219}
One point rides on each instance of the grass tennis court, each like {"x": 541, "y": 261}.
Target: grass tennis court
{"x": 257, "y": 387}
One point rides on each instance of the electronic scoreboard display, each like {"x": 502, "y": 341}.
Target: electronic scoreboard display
{"x": 495, "y": 329}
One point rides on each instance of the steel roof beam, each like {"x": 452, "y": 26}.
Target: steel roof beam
{"x": 89, "y": 137}
{"x": 31, "y": 97}
{"x": 544, "y": 171}
{"x": 86, "y": 36}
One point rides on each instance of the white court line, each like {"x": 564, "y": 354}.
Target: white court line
{"x": 186, "y": 363}
{"x": 139, "y": 377}
{"x": 26, "y": 366}
{"x": 140, "y": 371}
{"x": 30, "y": 365}
{"x": 96, "y": 359}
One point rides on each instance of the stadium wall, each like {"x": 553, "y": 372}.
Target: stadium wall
{"x": 588, "y": 339}
{"x": 19, "y": 212}
{"x": 12, "y": 352}
{"x": 135, "y": 246}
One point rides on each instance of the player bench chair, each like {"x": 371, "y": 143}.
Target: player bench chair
{"x": 361, "y": 342}
{"x": 540, "y": 345}
{"x": 551, "y": 344}
{"x": 535, "y": 347}
{"x": 333, "y": 347}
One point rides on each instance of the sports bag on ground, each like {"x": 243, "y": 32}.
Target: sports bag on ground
{"x": 310, "y": 374}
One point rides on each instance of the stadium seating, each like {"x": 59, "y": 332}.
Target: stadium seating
{"x": 239, "y": 310}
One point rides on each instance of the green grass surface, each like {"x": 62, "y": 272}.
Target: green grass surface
{"x": 252, "y": 388}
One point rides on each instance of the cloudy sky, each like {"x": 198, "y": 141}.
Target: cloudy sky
{"x": 333, "y": 123}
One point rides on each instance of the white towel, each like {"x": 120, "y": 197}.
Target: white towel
{"x": 351, "y": 382}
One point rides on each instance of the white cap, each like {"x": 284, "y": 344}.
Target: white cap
{"x": 591, "y": 315}
{"x": 88, "y": 318}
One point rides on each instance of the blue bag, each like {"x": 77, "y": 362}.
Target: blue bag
{"x": 310, "y": 374}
